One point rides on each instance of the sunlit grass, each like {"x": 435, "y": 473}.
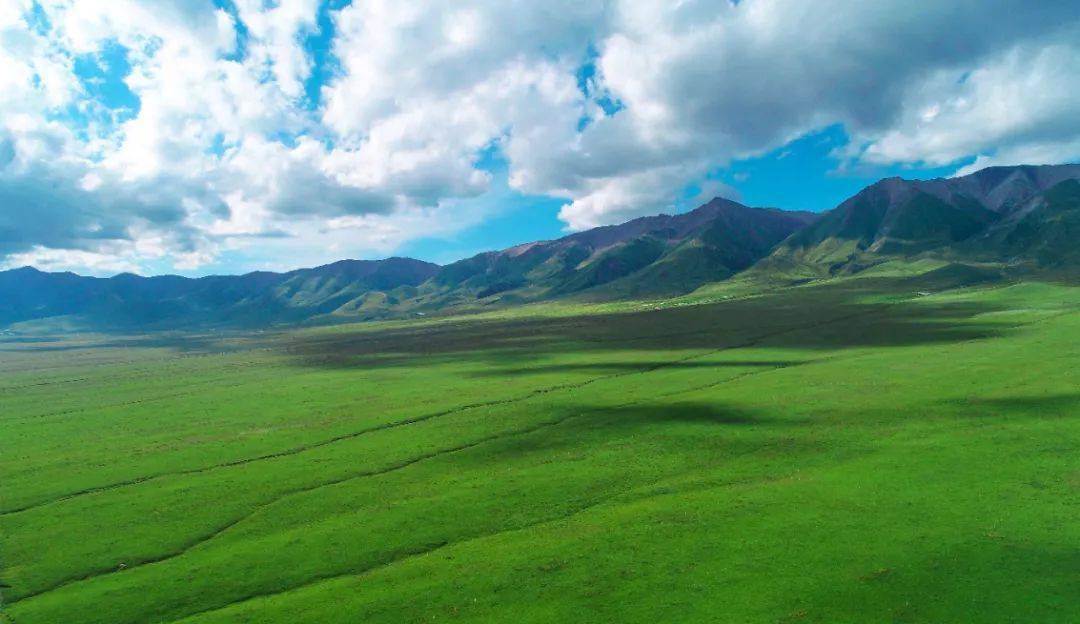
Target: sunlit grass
{"x": 881, "y": 449}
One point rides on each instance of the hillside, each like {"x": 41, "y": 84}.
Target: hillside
{"x": 170, "y": 301}
{"x": 664, "y": 254}
{"x": 1043, "y": 231}
{"x": 973, "y": 217}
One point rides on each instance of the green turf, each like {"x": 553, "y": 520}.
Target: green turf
{"x": 886, "y": 449}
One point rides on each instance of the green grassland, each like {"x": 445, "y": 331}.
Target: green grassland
{"x": 891, "y": 448}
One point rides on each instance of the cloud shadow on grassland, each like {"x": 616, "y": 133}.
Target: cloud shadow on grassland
{"x": 587, "y": 428}
{"x": 826, "y": 317}
{"x": 1041, "y": 406}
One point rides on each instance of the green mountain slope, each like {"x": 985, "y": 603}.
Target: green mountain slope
{"x": 664, "y": 254}
{"x": 129, "y": 301}
{"x": 1045, "y": 232}
{"x": 974, "y": 217}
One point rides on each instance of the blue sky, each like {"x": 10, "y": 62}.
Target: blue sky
{"x": 802, "y": 175}
{"x": 221, "y": 136}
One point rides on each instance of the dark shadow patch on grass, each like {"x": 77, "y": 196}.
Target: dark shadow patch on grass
{"x": 8, "y": 340}
{"x": 183, "y": 344}
{"x": 187, "y": 343}
{"x": 634, "y": 366}
{"x": 589, "y": 429}
{"x": 1044, "y": 406}
{"x": 978, "y": 577}
{"x": 822, "y": 318}
{"x": 677, "y": 412}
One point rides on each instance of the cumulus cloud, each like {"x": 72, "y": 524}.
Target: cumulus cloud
{"x": 237, "y": 136}
{"x": 705, "y": 82}
{"x": 1021, "y": 105}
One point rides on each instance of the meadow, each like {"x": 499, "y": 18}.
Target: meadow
{"x": 884, "y": 449}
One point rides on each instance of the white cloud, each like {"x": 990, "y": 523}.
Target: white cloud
{"x": 1022, "y": 106}
{"x": 227, "y": 155}
{"x": 276, "y": 32}
{"x": 108, "y": 260}
{"x": 424, "y": 88}
{"x": 705, "y": 82}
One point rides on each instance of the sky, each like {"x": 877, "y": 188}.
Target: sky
{"x": 224, "y": 136}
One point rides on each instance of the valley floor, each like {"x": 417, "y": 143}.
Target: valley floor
{"x": 874, "y": 450}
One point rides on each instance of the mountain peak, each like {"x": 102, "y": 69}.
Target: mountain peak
{"x": 656, "y": 254}
{"x": 895, "y": 216}
{"x": 24, "y": 270}
{"x": 721, "y": 203}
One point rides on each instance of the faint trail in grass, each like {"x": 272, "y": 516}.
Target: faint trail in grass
{"x": 213, "y": 383}
{"x": 418, "y": 419}
{"x": 298, "y": 449}
{"x": 59, "y": 382}
{"x": 402, "y": 556}
{"x": 293, "y": 492}
{"x": 620, "y": 498}
{"x": 127, "y": 376}
{"x": 386, "y": 470}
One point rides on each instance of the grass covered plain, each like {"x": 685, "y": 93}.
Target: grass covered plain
{"x": 846, "y": 452}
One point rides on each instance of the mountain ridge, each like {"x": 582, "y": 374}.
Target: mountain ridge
{"x": 895, "y": 217}
{"x": 606, "y": 254}
{"x": 396, "y": 286}
{"x": 1024, "y": 216}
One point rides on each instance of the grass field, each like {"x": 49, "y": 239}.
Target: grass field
{"x": 846, "y": 452}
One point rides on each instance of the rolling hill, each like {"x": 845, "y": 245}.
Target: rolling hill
{"x": 998, "y": 214}
{"x": 664, "y": 254}
{"x": 170, "y": 301}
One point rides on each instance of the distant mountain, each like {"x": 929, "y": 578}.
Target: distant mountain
{"x": 170, "y": 301}
{"x": 968, "y": 217}
{"x": 663, "y": 254}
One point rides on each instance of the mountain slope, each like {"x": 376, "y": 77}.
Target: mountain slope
{"x": 1044, "y": 232}
{"x": 131, "y": 301}
{"x": 662, "y": 254}
{"x": 735, "y": 239}
{"x": 959, "y": 217}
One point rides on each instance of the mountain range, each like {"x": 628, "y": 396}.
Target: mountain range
{"x": 1008, "y": 217}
